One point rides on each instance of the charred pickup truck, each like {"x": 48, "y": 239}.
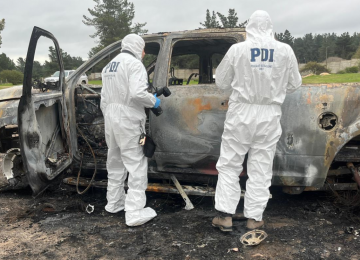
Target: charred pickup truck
{"x": 45, "y": 130}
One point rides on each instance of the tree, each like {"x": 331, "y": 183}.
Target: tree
{"x": 188, "y": 61}
{"x": 69, "y": 62}
{"x": 230, "y": 21}
{"x": 20, "y": 64}
{"x": 6, "y": 63}
{"x": 343, "y": 46}
{"x": 328, "y": 46}
{"x": 38, "y": 70}
{"x": 355, "y": 45}
{"x": 285, "y": 37}
{"x": 210, "y": 21}
{"x": 243, "y": 24}
{"x": 357, "y": 53}
{"x": 288, "y": 38}
{"x": 112, "y": 20}
{"x": 299, "y": 50}
{"x": 2, "y": 26}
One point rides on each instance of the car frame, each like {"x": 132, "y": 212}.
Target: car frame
{"x": 321, "y": 123}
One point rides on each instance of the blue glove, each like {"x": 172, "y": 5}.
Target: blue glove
{"x": 158, "y": 101}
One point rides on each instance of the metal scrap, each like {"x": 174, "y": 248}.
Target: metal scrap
{"x": 253, "y": 237}
{"x": 89, "y": 208}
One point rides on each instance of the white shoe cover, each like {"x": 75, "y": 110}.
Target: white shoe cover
{"x": 138, "y": 217}
{"x": 108, "y": 209}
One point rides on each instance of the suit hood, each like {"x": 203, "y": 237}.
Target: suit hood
{"x": 133, "y": 43}
{"x": 260, "y": 27}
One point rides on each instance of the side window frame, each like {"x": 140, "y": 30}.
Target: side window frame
{"x": 158, "y": 41}
{"x": 176, "y": 40}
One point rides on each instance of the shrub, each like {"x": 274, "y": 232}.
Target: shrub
{"x": 354, "y": 69}
{"x": 314, "y": 67}
{"x": 11, "y": 76}
{"x": 341, "y": 72}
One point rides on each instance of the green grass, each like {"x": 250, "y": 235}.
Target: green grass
{"x": 95, "y": 82}
{"x": 192, "y": 82}
{"x": 5, "y": 85}
{"x": 333, "y": 78}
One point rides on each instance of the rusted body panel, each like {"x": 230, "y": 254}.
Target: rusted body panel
{"x": 305, "y": 150}
{"x": 199, "y": 111}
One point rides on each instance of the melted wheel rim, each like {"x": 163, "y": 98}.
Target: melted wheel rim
{"x": 253, "y": 238}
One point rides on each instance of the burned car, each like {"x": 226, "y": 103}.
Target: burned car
{"x": 44, "y": 131}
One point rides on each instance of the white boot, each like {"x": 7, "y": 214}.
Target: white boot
{"x": 114, "y": 210}
{"x": 139, "y": 217}
{"x": 115, "y": 207}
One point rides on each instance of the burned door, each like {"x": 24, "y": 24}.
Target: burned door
{"x": 188, "y": 133}
{"x": 43, "y": 120}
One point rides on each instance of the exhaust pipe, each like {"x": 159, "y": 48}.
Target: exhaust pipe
{"x": 12, "y": 175}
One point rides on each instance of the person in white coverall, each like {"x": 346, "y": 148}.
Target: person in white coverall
{"x": 259, "y": 72}
{"x": 123, "y": 99}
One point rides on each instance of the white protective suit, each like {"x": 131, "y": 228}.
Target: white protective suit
{"x": 259, "y": 72}
{"x": 123, "y": 99}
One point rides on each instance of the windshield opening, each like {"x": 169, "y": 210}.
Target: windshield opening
{"x": 56, "y": 74}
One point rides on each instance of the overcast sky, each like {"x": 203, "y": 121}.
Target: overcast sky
{"x": 64, "y": 19}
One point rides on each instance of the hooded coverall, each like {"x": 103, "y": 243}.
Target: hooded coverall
{"x": 123, "y": 99}
{"x": 258, "y": 72}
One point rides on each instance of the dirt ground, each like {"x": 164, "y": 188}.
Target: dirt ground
{"x": 55, "y": 226}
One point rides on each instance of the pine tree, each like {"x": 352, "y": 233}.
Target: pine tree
{"x": 279, "y": 37}
{"x": 310, "y": 51}
{"x": 343, "y": 46}
{"x": 210, "y": 21}
{"x": 288, "y": 38}
{"x": 357, "y": 53}
{"x": 52, "y": 65}
{"x": 20, "y": 64}
{"x": 285, "y": 37}
{"x": 355, "y": 44}
{"x": 327, "y": 46}
{"x": 230, "y": 21}
{"x": 6, "y": 63}
{"x": 112, "y": 20}
{"x": 2, "y": 26}
{"x": 243, "y": 24}
{"x": 299, "y": 50}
